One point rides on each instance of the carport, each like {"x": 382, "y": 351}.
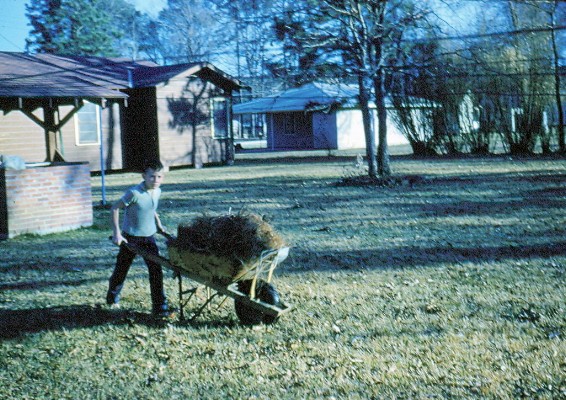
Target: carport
{"x": 29, "y": 83}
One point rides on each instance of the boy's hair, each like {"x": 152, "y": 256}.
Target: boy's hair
{"x": 155, "y": 165}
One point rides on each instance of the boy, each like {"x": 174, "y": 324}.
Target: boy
{"x": 140, "y": 223}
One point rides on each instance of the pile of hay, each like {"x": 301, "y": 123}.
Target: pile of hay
{"x": 225, "y": 247}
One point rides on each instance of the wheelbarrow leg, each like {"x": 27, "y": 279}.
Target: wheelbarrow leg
{"x": 205, "y": 305}
{"x": 180, "y": 283}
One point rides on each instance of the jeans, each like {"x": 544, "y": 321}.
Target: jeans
{"x": 124, "y": 261}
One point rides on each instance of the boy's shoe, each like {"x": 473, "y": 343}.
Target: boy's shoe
{"x": 164, "y": 313}
{"x": 111, "y": 299}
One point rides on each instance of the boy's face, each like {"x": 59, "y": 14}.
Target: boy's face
{"x": 152, "y": 178}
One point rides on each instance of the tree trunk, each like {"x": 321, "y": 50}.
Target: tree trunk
{"x": 368, "y": 127}
{"x": 384, "y": 167}
{"x": 557, "y": 84}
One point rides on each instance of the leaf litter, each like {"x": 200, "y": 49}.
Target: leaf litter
{"x": 451, "y": 286}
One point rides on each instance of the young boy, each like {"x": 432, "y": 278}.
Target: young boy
{"x": 140, "y": 223}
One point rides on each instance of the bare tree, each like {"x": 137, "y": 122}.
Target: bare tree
{"x": 190, "y": 31}
{"x": 248, "y": 26}
{"x": 554, "y": 14}
{"x": 490, "y": 84}
{"x": 353, "y": 30}
{"x": 364, "y": 32}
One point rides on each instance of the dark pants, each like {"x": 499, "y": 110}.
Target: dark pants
{"x": 123, "y": 263}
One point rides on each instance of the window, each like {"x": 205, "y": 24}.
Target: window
{"x": 87, "y": 125}
{"x": 297, "y": 123}
{"x": 250, "y": 126}
{"x": 219, "y": 116}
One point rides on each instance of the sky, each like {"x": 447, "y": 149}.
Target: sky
{"x": 14, "y": 26}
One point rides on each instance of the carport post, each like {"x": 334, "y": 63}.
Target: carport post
{"x": 50, "y": 127}
{"x": 102, "y": 166}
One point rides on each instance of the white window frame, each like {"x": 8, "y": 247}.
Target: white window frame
{"x": 77, "y": 120}
{"x": 214, "y": 100}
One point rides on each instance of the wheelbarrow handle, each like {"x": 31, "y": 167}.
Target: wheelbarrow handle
{"x": 166, "y": 235}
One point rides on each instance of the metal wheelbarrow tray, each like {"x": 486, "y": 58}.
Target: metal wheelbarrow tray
{"x": 259, "y": 302}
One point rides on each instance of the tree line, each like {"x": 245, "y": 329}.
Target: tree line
{"x": 484, "y": 88}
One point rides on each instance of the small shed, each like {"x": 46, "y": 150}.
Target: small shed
{"x": 316, "y": 116}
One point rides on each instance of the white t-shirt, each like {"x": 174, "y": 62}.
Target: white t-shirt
{"x": 139, "y": 213}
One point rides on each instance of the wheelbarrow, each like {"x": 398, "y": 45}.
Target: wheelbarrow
{"x": 255, "y": 298}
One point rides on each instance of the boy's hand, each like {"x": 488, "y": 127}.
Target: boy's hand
{"x": 162, "y": 231}
{"x": 118, "y": 239}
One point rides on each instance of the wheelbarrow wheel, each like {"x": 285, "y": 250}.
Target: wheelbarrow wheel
{"x": 265, "y": 292}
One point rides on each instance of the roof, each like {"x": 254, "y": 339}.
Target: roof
{"x": 28, "y": 76}
{"x": 127, "y": 73}
{"x": 304, "y": 98}
{"x": 40, "y": 76}
{"x": 147, "y": 76}
{"x": 312, "y": 97}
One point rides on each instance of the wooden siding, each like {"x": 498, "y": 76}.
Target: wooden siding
{"x": 325, "y": 130}
{"x": 20, "y": 136}
{"x": 167, "y": 115}
{"x": 184, "y": 123}
{"x": 112, "y": 145}
{"x": 293, "y": 130}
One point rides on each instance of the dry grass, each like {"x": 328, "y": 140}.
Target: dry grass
{"x": 446, "y": 286}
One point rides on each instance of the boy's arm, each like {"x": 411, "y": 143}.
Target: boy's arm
{"x": 117, "y": 237}
{"x": 160, "y": 227}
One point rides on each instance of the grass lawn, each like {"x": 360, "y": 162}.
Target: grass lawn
{"x": 448, "y": 285}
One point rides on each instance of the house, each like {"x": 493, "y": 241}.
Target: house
{"x": 510, "y": 121}
{"x": 68, "y": 116}
{"x": 316, "y": 116}
{"x": 114, "y": 113}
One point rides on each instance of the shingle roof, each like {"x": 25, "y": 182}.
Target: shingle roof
{"x": 312, "y": 97}
{"x": 307, "y": 97}
{"x": 47, "y": 75}
{"x": 28, "y": 76}
{"x": 147, "y": 76}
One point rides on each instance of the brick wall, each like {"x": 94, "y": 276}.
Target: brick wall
{"x": 46, "y": 199}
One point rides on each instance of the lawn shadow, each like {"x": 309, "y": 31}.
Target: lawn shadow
{"x": 407, "y": 256}
{"x": 16, "y": 323}
{"x": 37, "y": 284}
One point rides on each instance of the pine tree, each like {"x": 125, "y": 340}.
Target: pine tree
{"x": 77, "y": 27}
